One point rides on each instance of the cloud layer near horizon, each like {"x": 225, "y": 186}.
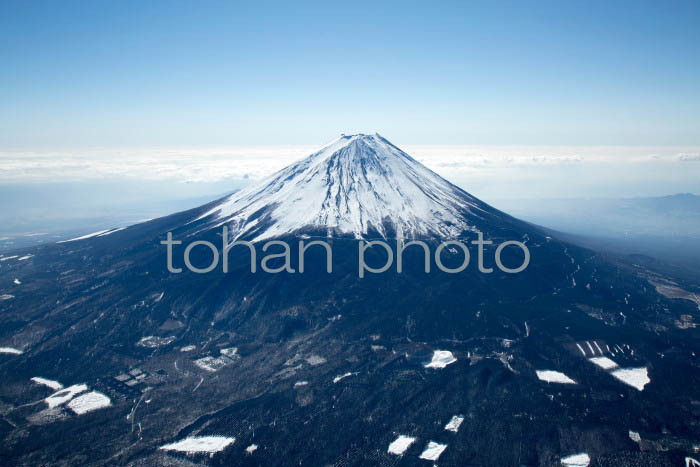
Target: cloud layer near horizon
{"x": 492, "y": 170}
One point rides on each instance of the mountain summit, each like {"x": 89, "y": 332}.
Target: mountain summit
{"x": 358, "y": 184}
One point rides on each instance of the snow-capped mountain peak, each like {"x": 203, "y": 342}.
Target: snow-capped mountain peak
{"x": 356, "y": 184}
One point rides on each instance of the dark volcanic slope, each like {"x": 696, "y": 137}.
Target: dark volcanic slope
{"x": 329, "y": 369}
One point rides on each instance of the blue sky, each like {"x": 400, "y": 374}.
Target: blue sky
{"x": 141, "y": 74}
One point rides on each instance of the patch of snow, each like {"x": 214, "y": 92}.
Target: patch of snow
{"x": 552, "y": 376}
{"x": 83, "y": 237}
{"x": 577, "y": 460}
{"x": 432, "y": 451}
{"x": 188, "y": 348}
{"x": 55, "y": 385}
{"x": 590, "y": 347}
{"x": 314, "y": 360}
{"x": 441, "y": 358}
{"x": 635, "y": 377}
{"x": 17, "y": 282}
{"x": 196, "y": 444}
{"x": 110, "y": 232}
{"x": 583, "y": 352}
{"x": 604, "y": 362}
{"x": 6, "y": 296}
{"x": 251, "y": 449}
{"x": 11, "y": 350}
{"x": 8, "y": 257}
{"x": 634, "y": 436}
{"x": 153, "y": 342}
{"x": 88, "y": 402}
{"x": 24, "y": 258}
{"x": 454, "y": 423}
{"x": 341, "y": 377}
{"x": 300, "y": 383}
{"x": 212, "y": 364}
{"x": 400, "y": 445}
{"x": 229, "y": 352}
{"x": 64, "y": 395}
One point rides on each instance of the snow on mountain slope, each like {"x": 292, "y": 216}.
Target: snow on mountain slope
{"x": 355, "y": 184}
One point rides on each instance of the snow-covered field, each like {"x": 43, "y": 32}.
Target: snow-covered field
{"x": 196, "y": 444}
{"x": 441, "y": 358}
{"x": 635, "y": 377}
{"x": 454, "y": 423}
{"x": 552, "y": 376}
{"x": 88, "y": 402}
{"x": 11, "y": 350}
{"x": 577, "y": 460}
{"x": 400, "y": 444}
{"x": 603, "y": 362}
{"x": 432, "y": 451}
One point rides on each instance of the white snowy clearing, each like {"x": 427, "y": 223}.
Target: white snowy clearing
{"x": 634, "y": 436}
{"x": 24, "y": 258}
{"x": 300, "y": 383}
{"x": 88, "y": 402}
{"x": 604, "y": 362}
{"x": 577, "y": 460}
{"x": 188, "y": 348}
{"x": 251, "y": 449}
{"x": 17, "y": 282}
{"x": 351, "y": 185}
{"x": 552, "y": 376}
{"x": 6, "y": 296}
{"x": 195, "y": 444}
{"x": 400, "y": 444}
{"x": 55, "y": 385}
{"x": 635, "y": 377}
{"x": 441, "y": 358}
{"x": 64, "y": 395}
{"x": 11, "y": 350}
{"x": 454, "y": 423}
{"x": 432, "y": 451}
